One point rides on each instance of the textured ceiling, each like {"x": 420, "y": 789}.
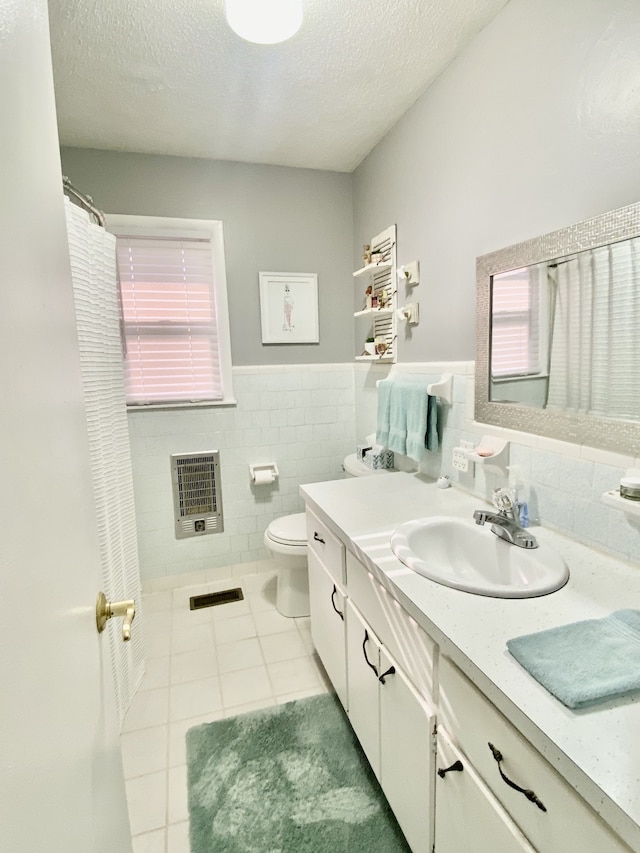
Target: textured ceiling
{"x": 169, "y": 76}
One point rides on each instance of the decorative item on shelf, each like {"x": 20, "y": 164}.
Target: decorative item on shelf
{"x": 376, "y": 257}
{"x": 370, "y": 346}
{"x": 383, "y": 298}
{"x": 366, "y": 254}
{"x": 381, "y": 346}
{"x": 374, "y": 300}
{"x": 367, "y": 298}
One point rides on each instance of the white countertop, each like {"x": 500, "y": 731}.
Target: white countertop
{"x": 597, "y": 750}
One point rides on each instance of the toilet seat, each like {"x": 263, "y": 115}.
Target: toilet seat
{"x": 289, "y": 530}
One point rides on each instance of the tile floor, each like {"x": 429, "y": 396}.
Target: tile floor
{"x": 202, "y": 666}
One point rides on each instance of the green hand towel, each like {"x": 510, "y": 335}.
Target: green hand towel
{"x": 384, "y": 412}
{"x": 587, "y": 662}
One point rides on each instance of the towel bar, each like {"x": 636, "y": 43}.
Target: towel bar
{"x": 442, "y": 389}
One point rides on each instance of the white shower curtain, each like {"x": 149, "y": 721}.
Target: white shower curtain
{"x": 93, "y": 267}
{"x": 595, "y": 346}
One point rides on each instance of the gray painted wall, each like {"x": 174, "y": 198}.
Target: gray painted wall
{"x": 275, "y": 219}
{"x": 534, "y": 127}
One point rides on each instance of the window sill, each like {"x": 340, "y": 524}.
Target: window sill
{"x": 203, "y": 404}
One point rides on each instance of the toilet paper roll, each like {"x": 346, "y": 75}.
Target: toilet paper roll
{"x": 263, "y": 478}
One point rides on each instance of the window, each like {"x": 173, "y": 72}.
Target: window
{"x": 174, "y": 310}
{"x": 515, "y": 324}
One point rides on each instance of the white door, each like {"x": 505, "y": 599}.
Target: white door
{"x": 61, "y": 785}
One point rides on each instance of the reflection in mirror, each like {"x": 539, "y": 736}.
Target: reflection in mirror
{"x": 564, "y": 333}
{"x": 558, "y": 346}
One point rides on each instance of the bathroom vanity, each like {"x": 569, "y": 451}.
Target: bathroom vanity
{"x": 424, "y": 674}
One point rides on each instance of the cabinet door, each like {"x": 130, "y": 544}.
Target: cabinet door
{"x": 363, "y": 663}
{"x": 327, "y": 608}
{"x": 407, "y": 761}
{"x": 468, "y": 817}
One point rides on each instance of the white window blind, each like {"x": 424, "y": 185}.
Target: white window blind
{"x": 515, "y": 324}
{"x": 169, "y": 317}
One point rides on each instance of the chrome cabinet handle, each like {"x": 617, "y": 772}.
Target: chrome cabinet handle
{"x": 528, "y": 793}
{"x": 106, "y": 609}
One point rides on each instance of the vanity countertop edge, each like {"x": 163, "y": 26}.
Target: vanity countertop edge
{"x": 596, "y": 750}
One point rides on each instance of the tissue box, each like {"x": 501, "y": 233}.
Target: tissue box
{"x": 376, "y": 459}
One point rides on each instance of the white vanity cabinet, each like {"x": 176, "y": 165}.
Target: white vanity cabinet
{"x": 551, "y": 815}
{"x": 394, "y": 725}
{"x": 581, "y": 766}
{"x": 327, "y": 601}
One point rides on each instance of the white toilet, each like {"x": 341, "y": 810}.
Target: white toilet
{"x": 286, "y": 539}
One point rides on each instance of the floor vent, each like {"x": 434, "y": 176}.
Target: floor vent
{"x": 212, "y": 599}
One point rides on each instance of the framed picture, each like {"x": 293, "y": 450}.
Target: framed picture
{"x": 289, "y": 308}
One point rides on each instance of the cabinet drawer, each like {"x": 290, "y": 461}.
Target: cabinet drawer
{"x": 412, "y": 648}
{"x": 474, "y": 722}
{"x": 327, "y": 546}
{"x": 469, "y": 819}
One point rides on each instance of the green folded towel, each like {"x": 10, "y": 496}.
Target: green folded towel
{"x": 586, "y": 662}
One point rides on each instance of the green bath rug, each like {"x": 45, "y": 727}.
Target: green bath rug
{"x": 286, "y": 779}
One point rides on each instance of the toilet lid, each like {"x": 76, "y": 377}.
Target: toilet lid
{"x": 289, "y": 530}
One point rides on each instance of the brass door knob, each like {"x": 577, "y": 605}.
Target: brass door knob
{"x": 106, "y": 609}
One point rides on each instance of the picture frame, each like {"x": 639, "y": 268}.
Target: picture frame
{"x": 289, "y": 308}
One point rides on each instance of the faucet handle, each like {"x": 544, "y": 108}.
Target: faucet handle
{"x": 503, "y": 499}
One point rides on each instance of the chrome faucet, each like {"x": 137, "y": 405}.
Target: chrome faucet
{"x": 503, "y": 522}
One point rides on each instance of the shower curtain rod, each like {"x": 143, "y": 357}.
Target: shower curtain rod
{"x": 85, "y": 200}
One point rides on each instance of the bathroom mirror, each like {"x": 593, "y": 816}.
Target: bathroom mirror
{"x": 558, "y": 334}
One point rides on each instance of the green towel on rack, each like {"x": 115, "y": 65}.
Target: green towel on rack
{"x": 384, "y": 387}
{"x": 587, "y": 662}
{"x": 407, "y": 416}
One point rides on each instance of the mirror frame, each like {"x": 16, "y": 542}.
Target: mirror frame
{"x": 609, "y": 434}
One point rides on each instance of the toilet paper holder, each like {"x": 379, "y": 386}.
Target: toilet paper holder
{"x": 262, "y": 475}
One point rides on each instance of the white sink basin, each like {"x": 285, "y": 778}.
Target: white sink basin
{"x": 469, "y": 557}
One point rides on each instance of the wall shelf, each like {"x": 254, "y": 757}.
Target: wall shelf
{"x": 370, "y": 269}
{"x": 377, "y": 312}
{"x": 377, "y": 282}
{"x": 614, "y": 499}
{"x": 492, "y": 451}
{"x": 385, "y": 358}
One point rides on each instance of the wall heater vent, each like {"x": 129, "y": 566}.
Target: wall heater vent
{"x": 197, "y": 495}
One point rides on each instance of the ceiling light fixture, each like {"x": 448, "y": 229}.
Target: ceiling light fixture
{"x": 264, "y": 21}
